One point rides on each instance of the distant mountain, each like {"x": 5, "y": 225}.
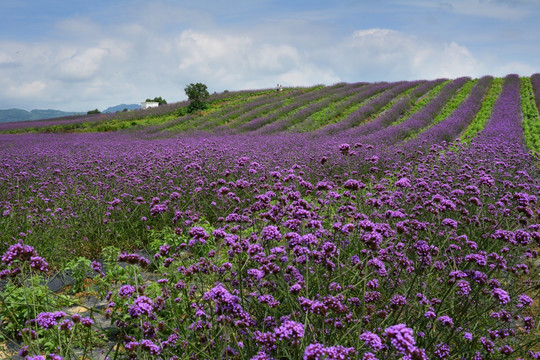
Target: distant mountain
{"x": 121, "y": 107}
{"x": 10, "y": 115}
{"x": 23, "y": 115}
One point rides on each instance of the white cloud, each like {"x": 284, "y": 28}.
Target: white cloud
{"x": 392, "y": 54}
{"x": 211, "y": 54}
{"x": 235, "y": 60}
{"x": 308, "y": 75}
{"x": 25, "y": 90}
{"x": 6, "y": 59}
{"x": 83, "y": 65}
{"x": 514, "y": 67}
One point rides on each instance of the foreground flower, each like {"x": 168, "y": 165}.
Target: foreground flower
{"x": 318, "y": 352}
{"x": 403, "y": 341}
{"x": 290, "y": 330}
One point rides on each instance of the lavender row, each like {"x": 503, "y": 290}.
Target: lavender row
{"x": 418, "y": 120}
{"x": 202, "y": 121}
{"x": 335, "y": 114}
{"x": 300, "y": 101}
{"x": 391, "y": 115}
{"x": 236, "y": 114}
{"x": 450, "y": 128}
{"x": 535, "y": 80}
{"x": 261, "y": 110}
{"x": 504, "y": 126}
{"x": 252, "y": 109}
{"x": 304, "y": 114}
{"x": 355, "y": 118}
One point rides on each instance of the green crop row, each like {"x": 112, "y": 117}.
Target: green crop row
{"x": 450, "y": 106}
{"x": 423, "y": 101}
{"x": 336, "y": 113}
{"x": 386, "y": 107}
{"x": 531, "y": 122}
{"x": 215, "y": 110}
{"x": 484, "y": 114}
{"x": 323, "y": 116}
{"x": 281, "y": 113}
{"x": 268, "y": 109}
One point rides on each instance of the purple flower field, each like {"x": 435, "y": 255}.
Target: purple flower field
{"x": 356, "y": 241}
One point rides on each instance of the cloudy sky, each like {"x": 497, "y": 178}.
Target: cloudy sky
{"x": 77, "y": 55}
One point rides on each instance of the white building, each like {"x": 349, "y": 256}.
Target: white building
{"x": 149, "y": 104}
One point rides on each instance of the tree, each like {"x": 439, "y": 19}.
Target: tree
{"x": 91, "y": 112}
{"x": 158, "y": 100}
{"x": 197, "y": 93}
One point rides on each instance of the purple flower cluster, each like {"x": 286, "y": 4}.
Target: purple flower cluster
{"x": 18, "y": 254}
{"x": 402, "y": 339}
{"x": 318, "y": 352}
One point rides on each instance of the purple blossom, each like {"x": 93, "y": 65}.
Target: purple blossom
{"x": 369, "y": 356}
{"x": 290, "y": 330}
{"x": 126, "y": 291}
{"x": 318, "y": 351}
{"x": 442, "y": 351}
{"x": 149, "y": 346}
{"x": 261, "y": 355}
{"x": 401, "y": 338}
{"x": 525, "y": 300}
{"x": 403, "y": 183}
{"x": 430, "y": 315}
{"x": 446, "y": 320}
{"x": 87, "y": 322}
{"x": 22, "y": 253}
{"x": 397, "y": 301}
{"x": 372, "y": 340}
{"x": 270, "y": 233}
{"x": 141, "y": 306}
{"x": 48, "y": 320}
{"x": 500, "y": 295}
{"x": 464, "y": 287}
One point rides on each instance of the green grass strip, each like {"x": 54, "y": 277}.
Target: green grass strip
{"x": 267, "y": 109}
{"x": 531, "y": 122}
{"x": 334, "y": 113}
{"x": 484, "y": 114}
{"x": 422, "y": 102}
{"x": 322, "y": 116}
{"x": 449, "y": 108}
{"x": 283, "y": 112}
{"x": 214, "y": 111}
{"x": 343, "y": 115}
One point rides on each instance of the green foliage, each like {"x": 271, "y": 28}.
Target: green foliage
{"x": 183, "y": 111}
{"x": 196, "y": 105}
{"x": 79, "y": 268}
{"x": 531, "y": 122}
{"x": 485, "y": 111}
{"x": 197, "y": 93}
{"x": 157, "y": 99}
{"x": 19, "y": 304}
{"x": 162, "y": 237}
{"x": 423, "y": 101}
{"x": 95, "y": 111}
{"x": 452, "y": 105}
